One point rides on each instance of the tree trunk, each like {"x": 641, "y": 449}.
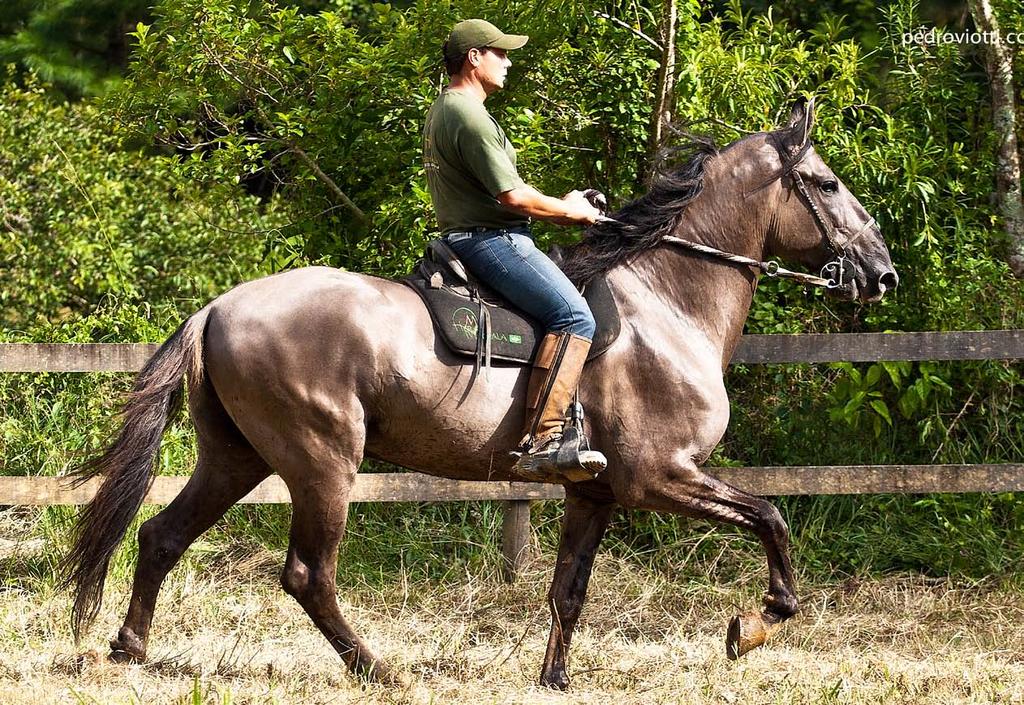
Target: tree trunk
{"x": 665, "y": 89}
{"x": 1004, "y": 120}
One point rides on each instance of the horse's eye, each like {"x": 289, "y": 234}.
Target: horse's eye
{"x": 829, "y": 186}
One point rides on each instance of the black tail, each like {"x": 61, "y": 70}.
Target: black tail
{"x": 127, "y": 465}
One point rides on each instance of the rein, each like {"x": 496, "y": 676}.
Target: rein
{"x": 831, "y": 275}
{"x": 770, "y": 268}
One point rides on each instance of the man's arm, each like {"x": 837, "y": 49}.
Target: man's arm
{"x": 571, "y": 209}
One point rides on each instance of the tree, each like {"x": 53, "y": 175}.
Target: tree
{"x": 1004, "y": 120}
{"x": 665, "y": 91}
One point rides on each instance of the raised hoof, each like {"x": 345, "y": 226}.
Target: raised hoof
{"x": 748, "y": 631}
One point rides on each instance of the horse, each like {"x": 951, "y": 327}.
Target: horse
{"x": 305, "y": 373}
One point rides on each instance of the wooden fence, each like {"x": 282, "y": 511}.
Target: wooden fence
{"x": 411, "y": 487}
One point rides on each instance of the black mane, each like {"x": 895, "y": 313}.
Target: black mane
{"x": 642, "y": 222}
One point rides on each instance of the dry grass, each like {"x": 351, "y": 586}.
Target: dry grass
{"x": 227, "y": 634}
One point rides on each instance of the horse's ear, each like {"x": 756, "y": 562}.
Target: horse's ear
{"x": 801, "y": 121}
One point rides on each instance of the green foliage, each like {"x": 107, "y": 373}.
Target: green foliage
{"x": 907, "y": 130}
{"x": 85, "y": 221}
{"x": 78, "y": 47}
{"x": 323, "y": 108}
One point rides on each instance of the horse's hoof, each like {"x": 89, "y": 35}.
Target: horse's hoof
{"x": 748, "y": 631}
{"x": 556, "y": 681}
{"x": 122, "y": 656}
{"x": 126, "y": 648}
{"x": 380, "y": 673}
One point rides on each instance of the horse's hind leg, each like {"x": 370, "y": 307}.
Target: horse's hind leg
{"x": 227, "y": 469}
{"x": 685, "y": 489}
{"x": 319, "y": 514}
{"x": 583, "y": 526}
{"x": 320, "y": 476}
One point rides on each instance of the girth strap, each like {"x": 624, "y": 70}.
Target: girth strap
{"x": 483, "y": 334}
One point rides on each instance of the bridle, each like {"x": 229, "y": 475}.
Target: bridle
{"x": 836, "y": 269}
{"x": 833, "y": 273}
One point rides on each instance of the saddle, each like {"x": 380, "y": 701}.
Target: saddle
{"x": 476, "y": 321}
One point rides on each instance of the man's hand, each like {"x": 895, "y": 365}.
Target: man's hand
{"x": 571, "y": 209}
{"x": 580, "y": 210}
{"x": 597, "y": 199}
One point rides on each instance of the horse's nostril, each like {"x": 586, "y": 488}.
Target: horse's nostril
{"x": 890, "y": 280}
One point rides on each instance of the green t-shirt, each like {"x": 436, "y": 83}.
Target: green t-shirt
{"x": 468, "y": 161}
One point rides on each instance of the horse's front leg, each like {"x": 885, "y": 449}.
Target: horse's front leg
{"x": 683, "y": 488}
{"x": 583, "y": 527}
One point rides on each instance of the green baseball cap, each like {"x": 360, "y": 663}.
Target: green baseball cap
{"x": 480, "y": 33}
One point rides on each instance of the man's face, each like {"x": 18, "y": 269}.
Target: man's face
{"x": 491, "y": 67}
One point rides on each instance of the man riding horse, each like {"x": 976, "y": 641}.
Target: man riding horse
{"x": 307, "y": 372}
{"x": 484, "y": 210}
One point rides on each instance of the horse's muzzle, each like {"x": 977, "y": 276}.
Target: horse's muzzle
{"x": 888, "y": 280}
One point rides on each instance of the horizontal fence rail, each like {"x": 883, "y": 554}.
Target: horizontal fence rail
{"x": 375, "y": 487}
{"x": 753, "y": 349}
{"x": 872, "y": 347}
{"x": 413, "y": 487}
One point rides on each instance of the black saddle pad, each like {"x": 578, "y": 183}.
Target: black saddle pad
{"x": 456, "y": 302}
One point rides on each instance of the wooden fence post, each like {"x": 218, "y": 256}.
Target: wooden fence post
{"x": 515, "y": 537}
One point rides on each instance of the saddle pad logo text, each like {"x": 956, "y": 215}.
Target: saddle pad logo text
{"x": 465, "y": 322}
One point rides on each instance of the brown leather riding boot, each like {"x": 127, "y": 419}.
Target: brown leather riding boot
{"x": 548, "y": 454}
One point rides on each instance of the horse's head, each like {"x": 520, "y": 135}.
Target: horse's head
{"x": 817, "y": 221}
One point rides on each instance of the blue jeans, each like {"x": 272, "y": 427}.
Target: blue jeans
{"x": 509, "y": 262}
